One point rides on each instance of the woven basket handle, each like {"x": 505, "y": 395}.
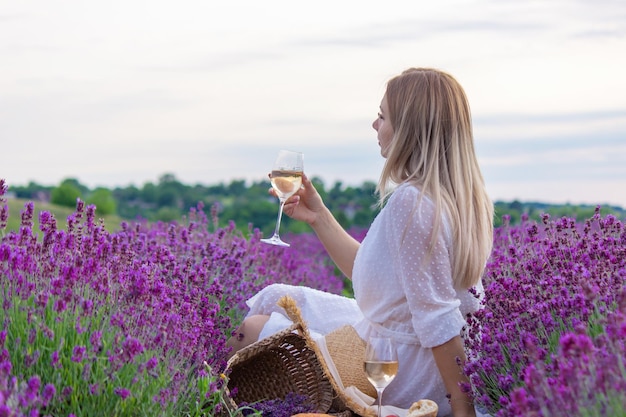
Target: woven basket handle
{"x": 293, "y": 312}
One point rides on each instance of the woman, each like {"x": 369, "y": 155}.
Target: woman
{"x": 428, "y": 246}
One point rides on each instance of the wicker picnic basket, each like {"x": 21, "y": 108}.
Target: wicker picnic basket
{"x": 288, "y": 362}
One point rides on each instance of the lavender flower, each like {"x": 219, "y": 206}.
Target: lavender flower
{"x": 132, "y": 347}
{"x": 4, "y": 208}
{"x": 148, "y": 301}
{"x": 292, "y": 404}
{"x": 538, "y": 344}
{"x": 122, "y": 392}
{"x": 49, "y": 391}
{"x": 78, "y": 354}
{"x": 96, "y": 341}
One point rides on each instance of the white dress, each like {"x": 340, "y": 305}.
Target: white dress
{"x": 398, "y": 291}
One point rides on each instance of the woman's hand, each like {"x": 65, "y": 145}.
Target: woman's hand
{"x": 306, "y": 204}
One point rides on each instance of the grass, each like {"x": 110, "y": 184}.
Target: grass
{"x": 16, "y": 206}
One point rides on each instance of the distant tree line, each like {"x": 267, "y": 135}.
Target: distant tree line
{"x": 247, "y": 205}
{"x": 250, "y": 205}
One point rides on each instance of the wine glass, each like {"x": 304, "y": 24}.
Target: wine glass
{"x": 286, "y": 179}
{"x": 381, "y": 364}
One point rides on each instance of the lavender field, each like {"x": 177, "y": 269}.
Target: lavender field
{"x": 134, "y": 322}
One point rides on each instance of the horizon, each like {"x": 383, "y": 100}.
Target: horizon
{"x": 327, "y": 185}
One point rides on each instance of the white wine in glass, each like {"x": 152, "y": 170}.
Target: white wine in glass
{"x": 286, "y": 179}
{"x": 381, "y": 364}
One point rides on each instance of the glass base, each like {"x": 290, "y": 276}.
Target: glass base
{"x": 275, "y": 240}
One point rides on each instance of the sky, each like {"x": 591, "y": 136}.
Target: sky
{"x": 118, "y": 93}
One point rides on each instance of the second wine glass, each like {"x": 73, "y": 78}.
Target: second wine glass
{"x": 286, "y": 179}
{"x": 381, "y": 364}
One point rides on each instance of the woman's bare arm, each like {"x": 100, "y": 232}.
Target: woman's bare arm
{"x": 307, "y": 206}
{"x": 341, "y": 247}
{"x": 446, "y": 356}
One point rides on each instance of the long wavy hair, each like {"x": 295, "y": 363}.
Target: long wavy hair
{"x": 433, "y": 149}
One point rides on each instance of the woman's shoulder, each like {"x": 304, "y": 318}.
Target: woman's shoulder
{"x": 410, "y": 194}
{"x": 405, "y": 190}
{"x": 410, "y": 199}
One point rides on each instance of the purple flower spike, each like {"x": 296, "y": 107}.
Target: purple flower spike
{"x": 132, "y": 347}
{"x": 168, "y": 291}
{"x": 122, "y": 392}
{"x": 552, "y": 292}
{"x": 49, "y": 391}
{"x": 78, "y": 354}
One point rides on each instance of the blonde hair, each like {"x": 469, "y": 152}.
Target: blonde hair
{"x": 433, "y": 148}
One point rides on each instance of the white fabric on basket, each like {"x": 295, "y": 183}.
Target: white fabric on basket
{"x": 356, "y": 394}
{"x": 353, "y": 392}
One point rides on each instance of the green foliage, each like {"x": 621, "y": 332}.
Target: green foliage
{"x": 166, "y": 214}
{"x": 32, "y": 191}
{"x": 65, "y": 194}
{"x": 249, "y": 205}
{"x": 534, "y": 210}
{"x": 103, "y": 199}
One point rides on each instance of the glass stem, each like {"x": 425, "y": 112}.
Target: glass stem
{"x": 380, "y": 401}
{"x": 280, "y": 216}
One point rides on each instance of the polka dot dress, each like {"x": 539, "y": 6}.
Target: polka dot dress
{"x": 401, "y": 288}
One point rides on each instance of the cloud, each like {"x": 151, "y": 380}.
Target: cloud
{"x": 608, "y": 115}
{"x": 377, "y": 35}
{"x": 221, "y": 61}
{"x": 541, "y": 130}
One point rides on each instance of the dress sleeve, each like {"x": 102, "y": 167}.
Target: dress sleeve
{"x": 426, "y": 277}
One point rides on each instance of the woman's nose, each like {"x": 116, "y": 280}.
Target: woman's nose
{"x": 375, "y": 124}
